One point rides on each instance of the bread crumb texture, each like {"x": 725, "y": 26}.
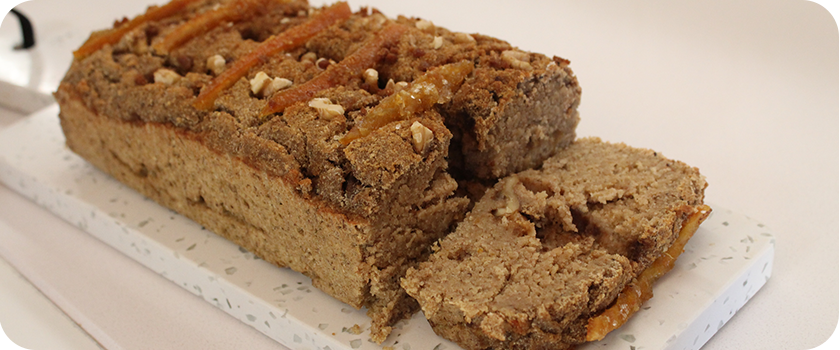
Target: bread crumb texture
{"x": 544, "y": 250}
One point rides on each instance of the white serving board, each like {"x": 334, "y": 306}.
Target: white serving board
{"x": 724, "y": 265}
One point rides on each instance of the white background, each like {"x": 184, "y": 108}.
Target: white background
{"x": 745, "y": 90}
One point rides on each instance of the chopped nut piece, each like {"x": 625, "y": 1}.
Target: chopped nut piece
{"x": 262, "y": 85}
{"x": 371, "y": 77}
{"x": 421, "y": 135}
{"x": 216, "y": 64}
{"x": 425, "y": 26}
{"x": 463, "y": 38}
{"x": 517, "y": 59}
{"x": 326, "y": 108}
{"x": 392, "y": 87}
{"x": 276, "y": 84}
{"x": 166, "y": 76}
{"x": 293, "y": 37}
{"x": 259, "y": 82}
{"x": 511, "y": 200}
{"x": 309, "y": 56}
{"x": 437, "y": 42}
{"x": 352, "y": 65}
{"x": 285, "y": 20}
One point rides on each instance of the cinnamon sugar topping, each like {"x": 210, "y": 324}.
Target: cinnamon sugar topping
{"x": 337, "y": 74}
{"x": 288, "y": 39}
{"x": 96, "y": 42}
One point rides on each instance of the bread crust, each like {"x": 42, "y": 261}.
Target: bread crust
{"x": 281, "y": 185}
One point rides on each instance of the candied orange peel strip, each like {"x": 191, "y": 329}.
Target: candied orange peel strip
{"x": 97, "y": 42}
{"x": 232, "y": 11}
{"x": 433, "y": 87}
{"x": 637, "y": 292}
{"x": 291, "y": 38}
{"x": 337, "y": 74}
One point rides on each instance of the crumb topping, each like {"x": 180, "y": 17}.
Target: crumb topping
{"x": 238, "y": 70}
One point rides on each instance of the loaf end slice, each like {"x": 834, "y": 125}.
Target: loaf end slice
{"x": 544, "y": 251}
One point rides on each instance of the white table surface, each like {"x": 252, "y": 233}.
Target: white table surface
{"x": 747, "y": 91}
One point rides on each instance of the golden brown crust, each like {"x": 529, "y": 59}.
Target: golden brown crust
{"x": 506, "y": 118}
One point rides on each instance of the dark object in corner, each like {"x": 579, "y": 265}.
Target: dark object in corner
{"x": 26, "y": 30}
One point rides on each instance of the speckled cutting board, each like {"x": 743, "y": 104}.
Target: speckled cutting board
{"x": 727, "y": 261}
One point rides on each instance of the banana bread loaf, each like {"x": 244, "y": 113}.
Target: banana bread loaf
{"x": 318, "y": 138}
{"x": 545, "y": 252}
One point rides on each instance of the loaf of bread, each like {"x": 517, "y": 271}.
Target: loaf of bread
{"x": 321, "y": 139}
{"x": 558, "y": 256}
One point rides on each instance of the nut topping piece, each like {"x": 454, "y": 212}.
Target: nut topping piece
{"x": 511, "y": 200}
{"x": 463, "y": 38}
{"x": 262, "y": 85}
{"x": 421, "y": 136}
{"x": 437, "y": 42}
{"x": 259, "y": 82}
{"x": 291, "y": 38}
{"x": 371, "y": 77}
{"x": 326, "y": 108}
{"x": 276, "y": 84}
{"x": 309, "y": 57}
{"x": 353, "y": 65}
{"x": 216, "y": 64}
{"x": 166, "y": 76}
{"x": 517, "y": 59}
{"x": 425, "y": 26}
